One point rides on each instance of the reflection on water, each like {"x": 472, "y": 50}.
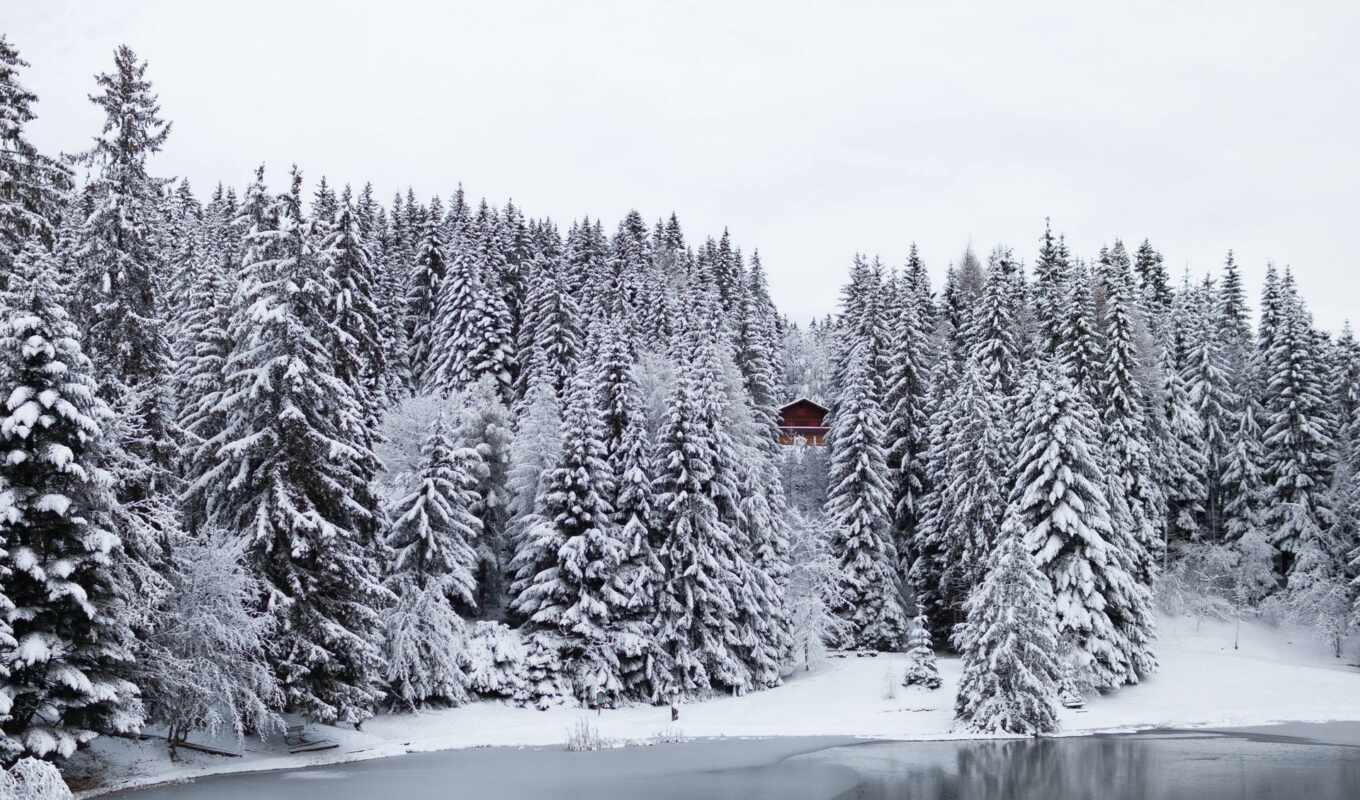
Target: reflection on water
{"x": 1164, "y": 766}
{"x": 1110, "y": 768}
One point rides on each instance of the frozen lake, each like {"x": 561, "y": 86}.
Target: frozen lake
{"x": 1301, "y": 762}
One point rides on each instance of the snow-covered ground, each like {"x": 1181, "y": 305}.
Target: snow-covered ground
{"x": 1278, "y": 674}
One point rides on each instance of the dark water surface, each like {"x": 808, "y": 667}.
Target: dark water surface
{"x": 1312, "y": 762}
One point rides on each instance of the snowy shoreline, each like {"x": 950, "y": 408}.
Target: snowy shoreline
{"x": 1279, "y": 675}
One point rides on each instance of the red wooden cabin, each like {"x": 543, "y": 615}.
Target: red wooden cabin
{"x": 802, "y": 418}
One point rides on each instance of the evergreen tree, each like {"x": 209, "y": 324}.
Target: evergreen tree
{"x": 433, "y": 526}
{"x": 121, "y": 261}
{"x": 921, "y": 669}
{"x": 971, "y": 491}
{"x": 1080, "y": 353}
{"x": 432, "y": 575}
{"x": 1185, "y": 462}
{"x": 1058, "y": 504}
{"x": 290, "y": 478}
{"x": 859, "y": 506}
{"x": 1153, "y": 279}
{"x": 1297, "y": 447}
{"x": 1009, "y": 644}
{"x": 361, "y": 361}
{"x": 426, "y": 284}
{"x": 908, "y": 420}
{"x": 994, "y": 324}
{"x": 66, "y": 632}
{"x": 30, "y": 183}
{"x": 1124, "y": 430}
{"x": 1050, "y": 290}
{"x": 695, "y": 606}
{"x": 565, "y": 574}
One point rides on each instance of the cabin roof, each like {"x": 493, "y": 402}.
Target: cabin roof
{"x": 803, "y": 401}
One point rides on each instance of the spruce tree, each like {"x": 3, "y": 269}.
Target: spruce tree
{"x": 361, "y": 361}
{"x": 31, "y": 184}
{"x": 432, "y": 575}
{"x": 1123, "y": 426}
{"x": 425, "y": 285}
{"x": 121, "y": 262}
{"x": 695, "y": 604}
{"x": 908, "y": 421}
{"x": 921, "y": 669}
{"x": 1009, "y": 644}
{"x": 859, "y": 506}
{"x": 1185, "y": 462}
{"x": 1058, "y": 503}
{"x": 433, "y": 526}
{"x": 66, "y": 629}
{"x": 566, "y": 572}
{"x": 1297, "y": 447}
{"x": 1081, "y": 348}
{"x": 291, "y": 476}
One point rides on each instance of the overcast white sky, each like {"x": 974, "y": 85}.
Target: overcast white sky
{"x": 810, "y": 130}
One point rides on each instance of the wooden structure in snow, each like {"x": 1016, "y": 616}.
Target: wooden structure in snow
{"x": 802, "y": 419}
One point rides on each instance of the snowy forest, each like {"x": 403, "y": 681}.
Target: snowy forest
{"x": 324, "y": 453}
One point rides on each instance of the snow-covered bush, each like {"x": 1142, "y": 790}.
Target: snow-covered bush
{"x": 403, "y": 433}
{"x": 812, "y": 590}
{"x": 207, "y": 652}
{"x": 31, "y": 779}
{"x": 496, "y": 661}
{"x": 1198, "y": 582}
{"x": 545, "y": 683}
{"x": 424, "y": 646}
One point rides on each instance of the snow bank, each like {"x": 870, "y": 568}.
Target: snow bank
{"x": 1277, "y": 674}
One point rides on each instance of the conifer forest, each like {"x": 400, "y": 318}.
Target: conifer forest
{"x": 281, "y": 450}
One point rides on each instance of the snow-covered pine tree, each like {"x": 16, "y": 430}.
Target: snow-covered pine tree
{"x": 1242, "y": 474}
{"x": 994, "y": 323}
{"x": 695, "y": 604}
{"x": 628, "y": 451}
{"x": 971, "y": 493}
{"x": 486, "y": 426}
{"x": 921, "y": 669}
{"x": 1123, "y": 425}
{"x": 472, "y": 326}
{"x": 120, "y": 262}
{"x": 425, "y": 285}
{"x": 432, "y": 575}
{"x": 1233, "y": 321}
{"x": 360, "y": 359}
{"x": 290, "y": 476}
{"x": 1210, "y": 394}
{"x": 1058, "y": 504}
{"x": 67, "y": 634}
{"x": 200, "y": 375}
{"x": 31, "y": 190}
{"x": 1154, "y": 282}
{"x": 555, "y": 322}
{"x": 433, "y": 527}
{"x": 534, "y": 452}
{"x": 1184, "y": 460}
{"x": 1080, "y": 350}
{"x": 1009, "y": 644}
{"x": 565, "y": 570}
{"x": 1050, "y": 290}
{"x": 859, "y": 506}
{"x": 908, "y": 422}
{"x": 1298, "y": 450}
